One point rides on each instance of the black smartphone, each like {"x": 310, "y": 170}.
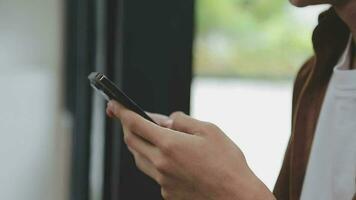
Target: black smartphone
{"x": 111, "y": 92}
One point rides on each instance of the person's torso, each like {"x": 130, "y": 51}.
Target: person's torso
{"x": 329, "y": 41}
{"x": 331, "y": 171}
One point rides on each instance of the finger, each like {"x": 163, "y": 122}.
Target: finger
{"x": 139, "y": 145}
{"x": 186, "y": 124}
{"x": 145, "y": 166}
{"x": 109, "y": 112}
{"x": 161, "y": 120}
{"x": 151, "y": 132}
{"x": 115, "y": 109}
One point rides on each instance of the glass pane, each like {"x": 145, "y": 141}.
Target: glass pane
{"x": 246, "y": 55}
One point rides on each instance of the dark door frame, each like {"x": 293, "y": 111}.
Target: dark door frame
{"x": 148, "y": 53}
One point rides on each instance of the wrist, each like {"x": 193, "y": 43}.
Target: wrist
{"x": 259, "y": 191}
{"x": 250, "y": 187}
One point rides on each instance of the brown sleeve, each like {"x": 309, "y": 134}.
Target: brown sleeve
{"x": 282, "y": 187}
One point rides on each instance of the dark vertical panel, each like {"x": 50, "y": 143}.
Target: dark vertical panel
{"x": 80, "y": 61}
{"x": 70, "y": 58}
{"x": 114, "y": 36}
{"x": 148, "y": 54}
{"x": 155, "y": 70}
{"x": 157, "y": 53}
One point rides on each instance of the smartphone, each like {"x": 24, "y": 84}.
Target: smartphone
{"x": 111, "y": 92}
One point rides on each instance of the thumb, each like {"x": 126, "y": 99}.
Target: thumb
{"x": 184, "y": 123}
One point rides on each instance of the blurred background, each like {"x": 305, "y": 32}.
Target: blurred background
{"x": 230, "y": 62}
{"x": 246, "y": 54}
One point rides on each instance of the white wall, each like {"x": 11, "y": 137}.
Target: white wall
{"x": 34, "y": 143}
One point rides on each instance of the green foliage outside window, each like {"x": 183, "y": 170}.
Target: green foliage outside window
{"x": 250, "y": 39}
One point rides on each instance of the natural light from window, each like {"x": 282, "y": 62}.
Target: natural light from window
{"x": 246, "y": 55}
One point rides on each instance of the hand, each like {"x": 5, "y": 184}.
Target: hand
{"x": 190, "y": 159}
{"x": 161, "y": 120}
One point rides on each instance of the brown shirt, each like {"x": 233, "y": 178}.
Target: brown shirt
{"x": 329, "y": 40}
{"x": 353, "y": 55}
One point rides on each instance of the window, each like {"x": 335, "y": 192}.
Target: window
{"x": 246, "y": 55}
